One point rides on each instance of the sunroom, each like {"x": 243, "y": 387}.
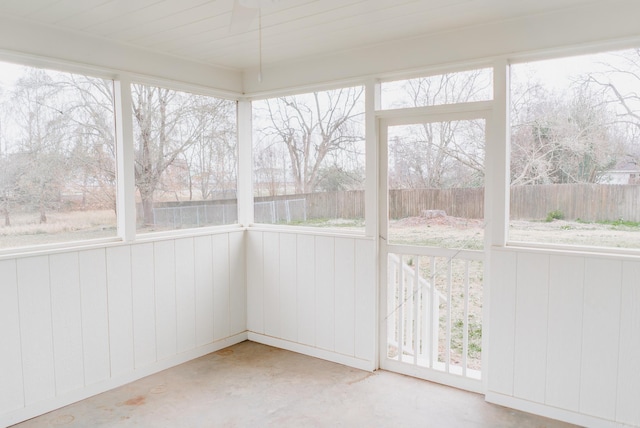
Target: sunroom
{"x": 445, "y": 189}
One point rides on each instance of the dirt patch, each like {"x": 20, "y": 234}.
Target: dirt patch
{"x": 135, "y": 401}
{"x": 224, "y": 352}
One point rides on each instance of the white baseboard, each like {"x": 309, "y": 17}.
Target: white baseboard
{"x": 57, "y": 402}
{"x": 550, "y": 412}
{"x": 313, "y": 352}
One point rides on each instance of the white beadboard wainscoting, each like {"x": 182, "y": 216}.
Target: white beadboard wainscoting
{"x": 314, "y": 294}
{"x": 565, "y": 335}
{"x": 79, "y": 322}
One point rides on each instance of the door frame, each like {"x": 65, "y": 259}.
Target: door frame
{"x": 463, "y": 111}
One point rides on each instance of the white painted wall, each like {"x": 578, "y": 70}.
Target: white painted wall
{"x": 565, "y": 335}
{"x": 313, "y": 293}
{"x": 80, "y": 322}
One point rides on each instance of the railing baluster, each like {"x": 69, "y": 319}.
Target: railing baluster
{"x": 401, "y": 307}
{"x": 391, "y": 299}
{"x": 424, "y": 336}
{"x": 416, "y": 300}
{"x": 408, "y": 299}
{"x": 465, "y": 331}
{"x": 447, "y": 358}
{"x": 433, "y": 316}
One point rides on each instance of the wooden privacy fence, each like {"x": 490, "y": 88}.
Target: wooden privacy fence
{"x": 588, "y": 202}
{"x": 462, "y": 202}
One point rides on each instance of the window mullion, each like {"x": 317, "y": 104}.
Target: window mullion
{"x": 497, "y": 160}
{"x": 245, "y": 164}
{"x": 126, "y": 205}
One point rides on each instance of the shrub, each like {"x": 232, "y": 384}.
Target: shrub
{"x": 555, "y": 215}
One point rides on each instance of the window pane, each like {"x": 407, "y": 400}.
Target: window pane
{"x": 450, "y": 88}
{"x": 436, "y": 184}
{"x": 309, "y": 159}
{"x": 575, "y": 150}
{"x": 185, "y": 159}
{"x": 57, "y": 157}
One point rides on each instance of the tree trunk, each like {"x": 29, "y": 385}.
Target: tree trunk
{"x": 147, "y": 209}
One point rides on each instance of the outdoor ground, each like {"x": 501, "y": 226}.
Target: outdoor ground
{"x": 454, "y": 232}
{"x": 446, "y": 231}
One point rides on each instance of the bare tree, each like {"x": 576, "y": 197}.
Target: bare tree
{"x": 212, "y": 160}
{"x": 9, "y": 177}
{"x": 440, "y": 154}
{"x": 314, "y": 129}
{"x": 178, "y": 136}
{"x": 617, "y": 84}
{"x": 42, "y": 144}
{"x": 93, "y": 158}
{"x": 561, "y": 137}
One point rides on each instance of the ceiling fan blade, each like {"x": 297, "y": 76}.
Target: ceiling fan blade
{"x": 241, "y": 17}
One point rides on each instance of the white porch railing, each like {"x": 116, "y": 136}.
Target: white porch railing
{"x": 434, "y": 309}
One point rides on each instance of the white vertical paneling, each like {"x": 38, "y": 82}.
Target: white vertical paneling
{"x": 365, "y": 300}
{"x": 255, "y": 283}
{"x": 165, "y": 278}
{"x": 627, "y": 406}
{"x": 144, "y": 304}
{"x": 67, "y": 321}
{"x": 11, "y": 386}
{"x": 344, "y": 296}
{"x": 220, "y": 286}
{"x": 502, "y": 321}
{"x": 35, "y": 328}
{"x": 120, "y": 310}
{"x": 95, "y": 315}
{"x": 185, "y": 295}
{"x": 564, "y": 345}
{"x": 288, "y": 287}
{"x": 271, "y": 269}
{"x": 203, "y": 289}
{"x": 237, "y": 283}
{"x": 600, "y": 335}
{"x": 306, "y": 289}
{"x": 325, "y": 304}
{"x": 532, "y": 296}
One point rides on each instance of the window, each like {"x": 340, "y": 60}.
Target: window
{"x": 185, "y": 159}
{"x": 57, "y": 157}
{"x": 449, "y": 88}
{"x": 309, "y": 159}
{"x": 575, "y": 150}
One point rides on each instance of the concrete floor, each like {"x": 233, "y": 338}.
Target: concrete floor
{"x": 253, "y": 385}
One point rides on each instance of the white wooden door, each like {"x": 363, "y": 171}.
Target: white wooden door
{"x": 431, "y": 245}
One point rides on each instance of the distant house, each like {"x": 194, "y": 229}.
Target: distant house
{"x": 621, "y": 176}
